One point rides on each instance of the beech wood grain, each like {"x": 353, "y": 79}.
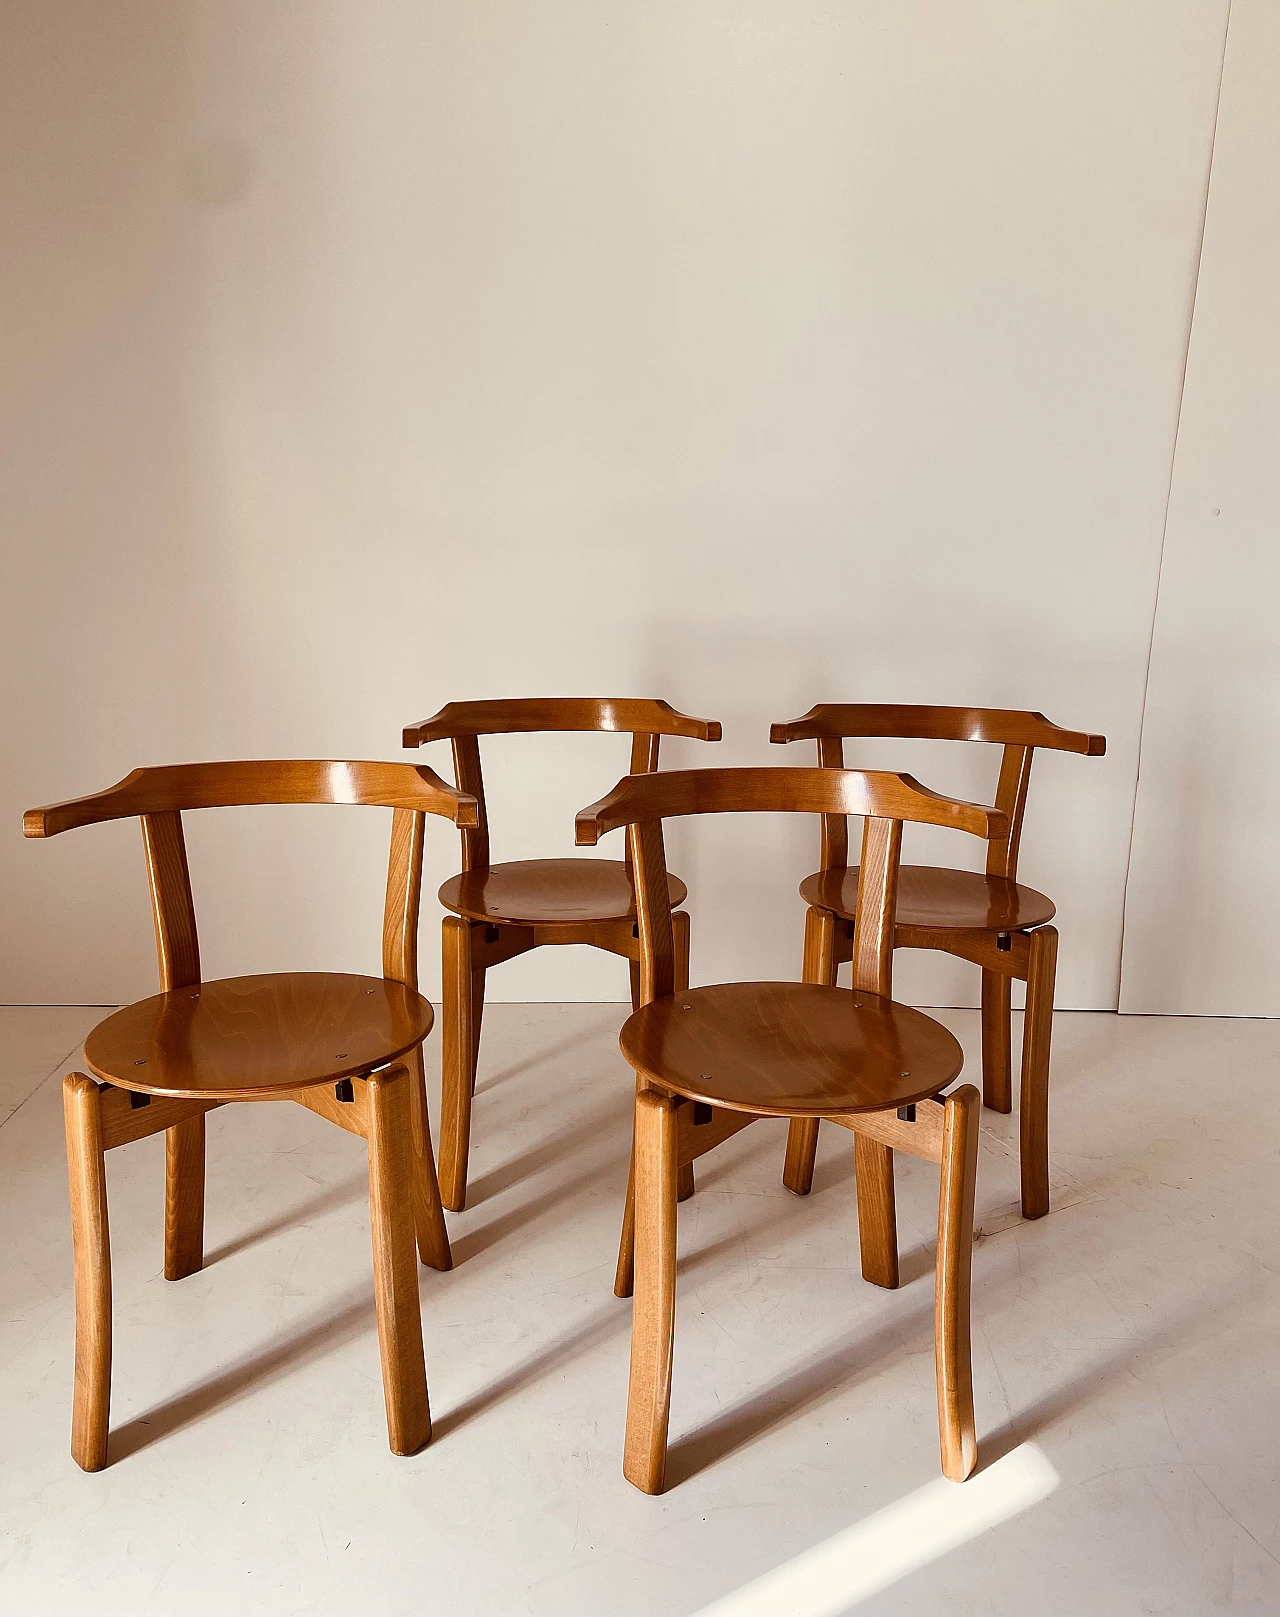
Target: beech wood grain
{"x": 790, "y": 1049}
{"x": 257, "y": 1038}
{"x": 501, "y": 911}
{"x": 638, "y": 715}
{"x": 988, "y": 919}
{"x": 798, "y": 1050}
{"x": 549, "y": 892}
{"x": 934, "y": 898}
{"x": 302, "y": 1036}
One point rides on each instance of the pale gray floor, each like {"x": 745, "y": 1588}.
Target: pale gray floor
{"x": 1129, "y": 1339}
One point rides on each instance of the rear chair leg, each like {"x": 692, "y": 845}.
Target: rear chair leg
{"x": 624, "y": 1278}
{"x": 680, "y": 936}
{"x": 819, "y": 967}
{"x": 184, "y": 1198}
{"x": 644, "y": 1459}
{"x": 477, "y": 1017}
{"x": 877, "y": 1211}
{"x": 395, "y": 1273}
{"x": 952, "y": 1347}
{"x": 997, "y": 1090}
{"x": 91, "y": 1241}
{"x": 1037, "y": 1034}
{"x": 428, "y": 1214}
{"x": 457, "y": 1068}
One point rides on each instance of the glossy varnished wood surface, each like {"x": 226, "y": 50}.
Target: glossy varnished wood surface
{"x": 542, "y": 892}
{"x": 1004, "y": 726}
{"x": 879, "y": 793}
{"x": 253, "y": 1038}
{"x": 787, "y": 1049}
{"x": 499, "y": 913}
{"x": 931, "y": 896}
{"x": 175, "y": 787}
{"x": 527, "y": 715}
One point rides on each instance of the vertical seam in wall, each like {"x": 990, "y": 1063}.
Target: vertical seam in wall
{"x": 1168, "y": 498}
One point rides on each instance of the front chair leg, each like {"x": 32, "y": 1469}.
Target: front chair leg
{"x": 91, "y": 1241}
{"x": 644, "y": 1459}
{"x": 457, "y": 1061}
{"x": 877, "y": 1211}
{"x": 428, "y": 1214}
{"x": 997, "y": 1000}
{"x": 952, "y": 1347}
{"x": 819, "y": 967}
{"x": 1037, "y": 1034}
{"x": 184, "y": 1198}
{"x": 395, "y": 1273}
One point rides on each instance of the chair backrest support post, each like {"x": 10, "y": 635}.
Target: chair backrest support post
{"x": 642, "y": 802}
{"x": 1018, "y": 732}
{"x": 158, "y": 797}
{"x": 463, "y": 723}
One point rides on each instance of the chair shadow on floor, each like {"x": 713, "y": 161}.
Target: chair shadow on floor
{"x": 471, "y": 1243}
{"x": 825, "y": 1375}
{"x": 325, "y": 1334}
{"x": 608, "y": 1120}
{"x": 1103, "y": 1374}
{"x": 546, "y": 1053}
{"x": 340, "y": 1195}
{"x": 606, "y": 1322}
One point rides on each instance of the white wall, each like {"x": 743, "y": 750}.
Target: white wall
{"x": 743, "y": 354}
{"x": 1205, "y": 886}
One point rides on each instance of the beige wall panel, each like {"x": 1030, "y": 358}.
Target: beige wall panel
{"x": 364, "y": 357}
{"x": 1200, "y": 935}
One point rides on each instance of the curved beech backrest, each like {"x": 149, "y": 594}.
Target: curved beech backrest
{"x": 642, "y": 802}
{"x": 1005, "y": 727}
{"x": 1019, "y": 733}
{"x": 463, "y": 723}
{"x": 158, "y": 797}
{"x": 174, "y": 787}
{"x": 638, "y": 715}
{"x": 638, "y": 799}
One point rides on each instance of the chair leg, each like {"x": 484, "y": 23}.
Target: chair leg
{"x": 685, "y": 1185}
{"x": 1037, "y": 1034}
{"x": 819, "y": 967}
{"x": 184, "y": 1198}
{"x": 644, "y": 1459}
{"x": 997, "y": 1088}
{"x": 952, "y": 1347}
{"x": 428, "y": 1214}
{"x": 477, "y": 1017}
{"x": 457, "y": 1067}
{"x": 395, "y": 1273}
{"x": 634, "y": 966}
{"x": 877, "y": 1211}
{"x": 680, "y": 949}
{"x": 91, "y": 1240}
{"x": 624, "y": 1277}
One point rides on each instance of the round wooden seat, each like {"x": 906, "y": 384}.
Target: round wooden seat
{"x": 252, "y": 1038}
{"x": 790, "y": 1049}
{"x": 544, "y": 892}
{"x": 932, "y": 897}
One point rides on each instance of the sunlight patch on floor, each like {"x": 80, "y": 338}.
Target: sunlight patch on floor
{"x": 890, "y": 1543}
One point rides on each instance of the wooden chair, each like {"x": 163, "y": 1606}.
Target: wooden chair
{"x": 501, "y": 911}
{"x": 709, "y": 1061}
{"x": 989, "y": 919}
{"x": 348, "y": 1048}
